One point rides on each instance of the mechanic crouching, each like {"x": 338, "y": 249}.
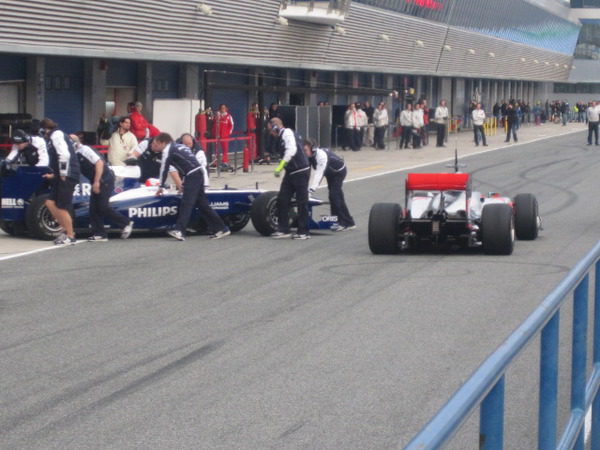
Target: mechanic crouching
{"x": 182, "y": 159}
{"x": 102, "y": 178}
{"x": 329, "y": 165}
{"x": 295, "y": 181}
{"x": 27, "y": 150}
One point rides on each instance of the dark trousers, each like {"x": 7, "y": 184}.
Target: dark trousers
{"x": 478, "y": 131}
{"x": 512, "y": 128}
{"x": 593, "y": 129}
{"x": 441, "y": 134}
{"x": 337, "y": 200}
{"x": 353, "y": 138}
{"x": 290, "y": 185}
{"x": 405, "y": 138}
{"x": 100, "y": 209}
{"x": 416, "y": 137}
{"x": 380, "y": 137}
{"x": 194, "y": 195}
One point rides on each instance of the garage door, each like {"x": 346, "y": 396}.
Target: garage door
{"x": 9, "y": 98}
{"x": 64, "y": 92}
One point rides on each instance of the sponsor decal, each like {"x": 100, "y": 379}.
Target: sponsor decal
{"x": 13, "y": 203}
{"x": 82, "y": 190}
{"x": 329, "y": 218}
{"x": 158, "y": 211}
{"x": 219, "y": 206}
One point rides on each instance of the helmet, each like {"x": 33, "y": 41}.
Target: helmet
{"x": 20, "y": 137}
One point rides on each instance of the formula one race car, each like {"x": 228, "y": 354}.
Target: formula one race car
{"x": 24, "y": 193}
{"x": 442, "y": 209}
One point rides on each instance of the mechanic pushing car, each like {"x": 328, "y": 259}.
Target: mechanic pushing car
{"x": 295, "y": 181}
{"x": 27, "y": 150}
{"x": 182, "y": 159}
{"x": 102, "y": 178}
{"x": 64, "y": 178}
{"x": 329, "y": 165}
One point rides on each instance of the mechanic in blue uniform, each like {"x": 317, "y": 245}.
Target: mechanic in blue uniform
{"x": 64, "y": 178}
{"x": 182, "y": 159}
{"x": 102, "y": 178}
{"x": 329, "y": 165}
{"x": 188, "y": 140}
{"x": 27, "y": 150}
{"x": 295, "y": 181}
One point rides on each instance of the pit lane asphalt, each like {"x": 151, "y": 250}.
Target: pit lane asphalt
{"x": 253, "y": 343}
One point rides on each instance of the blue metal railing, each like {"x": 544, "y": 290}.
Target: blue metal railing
{"x": 485, "y": 388}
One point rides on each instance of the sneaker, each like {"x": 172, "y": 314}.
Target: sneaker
{"x": 126, "y": 232}
{"x": 280, "y": 235}
{"x": 221, "y": 234}
{"x": 350, "y": 227}
{"x": 300, "y": 237}
{"x": 63, "y": 239}
{"x": 176, "y": 234}
{"x": 97, "y": 238}
{"x": 336, "y": 227}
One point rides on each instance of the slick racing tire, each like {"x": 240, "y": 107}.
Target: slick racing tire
{"x": 236, "y": 222}
{"x": 497, "y": 229}
{"x": 384, "y": 224}
{"x": 40, "y": 223}
{"x": 526, "y": 217}
{"x": 263, "y": 213}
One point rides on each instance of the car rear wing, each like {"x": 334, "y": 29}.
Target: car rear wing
{"x": 438, "y": 182}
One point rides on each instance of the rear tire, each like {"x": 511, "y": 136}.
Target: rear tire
{"x": 497, "y": 229}
{"x": 40, "y": 223}
{"x": 384, "y": 223}
{"x": 526, "y": 217}
{"x": 263, "y": 213}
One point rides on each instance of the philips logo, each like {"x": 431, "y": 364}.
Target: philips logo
{"x": 220, "y": 205}
{"x": 160, "y": 211}
{"x": 13, "y": 203}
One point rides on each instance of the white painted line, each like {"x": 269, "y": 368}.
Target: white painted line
{"x": 39, "y": 250}
{"x": 451, "y": 158}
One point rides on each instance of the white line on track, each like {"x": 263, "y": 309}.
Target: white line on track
{"x": 39, "y": 250}
{"x": 587, "y": 426}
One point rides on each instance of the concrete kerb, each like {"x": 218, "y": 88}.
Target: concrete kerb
{"x": 368, "y": 163}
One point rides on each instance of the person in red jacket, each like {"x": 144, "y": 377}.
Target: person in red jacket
{"x": 252, "y": 121}
{"x": 222, "y": 129}
{"x": 140, "y": 127}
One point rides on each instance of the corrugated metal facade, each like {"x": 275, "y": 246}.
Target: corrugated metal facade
{"x": 245, "y": 33}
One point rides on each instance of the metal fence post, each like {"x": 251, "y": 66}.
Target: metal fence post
{"x": 548, "y": 384}
{"x": 491, "y": 418}
{"x": 578, "y": 362}
{"x": 596, "y": 403}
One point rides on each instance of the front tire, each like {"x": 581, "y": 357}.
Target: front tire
{"x": 384, "y": 224}
{"x": 497, "y": 229}
{"x": 526, "y": 217}
{"x": 40, "y": 223}
{"x": 263, "y": 213}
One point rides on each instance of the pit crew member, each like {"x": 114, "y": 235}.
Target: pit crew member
{"x": 188, "y": 140}
{"x": 27, "y": 150}
{"x": 64, "y": 178}
{"x": 329, "y": 165}
{"x": 295, "y": 181}
{"x": 102, "y": 177}
{"x": 181, "y": 158}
